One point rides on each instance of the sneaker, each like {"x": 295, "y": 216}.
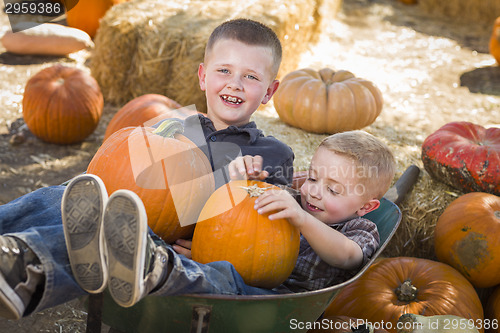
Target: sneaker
{"x": 82, "y": 209}
{"x": 136, "y": 265}
{"x": 20, "y": 274}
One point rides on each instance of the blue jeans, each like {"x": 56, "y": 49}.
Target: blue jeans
{"x": 35, "y": 218}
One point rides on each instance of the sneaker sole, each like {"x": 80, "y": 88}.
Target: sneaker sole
{"x": 82, "y": 209}
{"x": 125, "y": 231}
{"x": 11, "y": 305}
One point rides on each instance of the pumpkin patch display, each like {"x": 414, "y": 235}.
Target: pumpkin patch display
{"x": 492, "y": 311}
{"x": 465, "y": 156}
{"x": 62, "y": 105}
{"x": 166, "y": 170}
{"x": 327, "y": 101}
{"x": 395, "y": 286}
{"x": 262, "y": 251}
{"x": 141, "y": 110}
{"x": 494, "y": 45}
{"x": 467, "y": 237}
{"x": 85, "y": 15}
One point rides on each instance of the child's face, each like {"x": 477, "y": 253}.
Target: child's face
{"x": 236, "y": 78}
{"x": 332, "y": 192}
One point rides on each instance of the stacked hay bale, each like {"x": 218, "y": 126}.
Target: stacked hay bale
{"x": 155, "y": 46}
{"x": 483, "y": 11}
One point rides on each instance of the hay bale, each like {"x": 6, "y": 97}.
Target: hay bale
{"x": 155, "y": 46}
{"x": 479, "y": 11}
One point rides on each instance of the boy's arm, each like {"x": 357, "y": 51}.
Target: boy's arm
{"x": 330, "y": 245}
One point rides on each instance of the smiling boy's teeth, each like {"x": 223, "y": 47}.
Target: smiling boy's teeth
{"x": 232, "y": 99}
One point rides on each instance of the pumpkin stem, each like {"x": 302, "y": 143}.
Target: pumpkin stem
{"x": 169, "y": 127}
{"x": 406, "y": 292}
{"x": 255, "y": 190}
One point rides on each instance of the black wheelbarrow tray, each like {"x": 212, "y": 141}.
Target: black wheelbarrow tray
{"x": 236, "y": 313}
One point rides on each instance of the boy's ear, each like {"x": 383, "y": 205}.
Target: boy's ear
{"x": 369, "y": 206}
{"x": 201, "y": 76}
{"x": 270, "y": 91}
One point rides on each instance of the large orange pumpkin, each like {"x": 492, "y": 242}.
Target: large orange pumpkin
{"x": 62, "y": 104}
{"x": 169, "y": 173}
{"x": 85, "y": 15}
{"x": 467, "y": 237}
{"x": 262, "y": 251}
{"x": 395, "y": 286}
{"x": 326, "y": 101}
{"x": 141, "y": 110}
{"x": 492, "y": 312}
{"x": 464, "y": 155}
{"x": 495, "y": 40}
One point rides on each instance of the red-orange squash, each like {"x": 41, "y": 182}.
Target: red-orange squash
{"x": 85, "y": 15}
{"x": 492, "y": 312}
{"x": 262, "y": 251}
{"x": 62, "y": 105}
{"x": 495, "y": 40}
{"x": 167, "y": 171}
{"x": 327, "y": 101}
{"x": 392, "y": 287}
{"x": 467, "y": 237}
{"x": 464, "y": 155}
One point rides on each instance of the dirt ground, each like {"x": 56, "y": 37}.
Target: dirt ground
{"x": 431, "y": 70}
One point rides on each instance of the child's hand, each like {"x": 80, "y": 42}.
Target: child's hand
{"x": 183, "y": 246}
{"x": 247, "y": 167}
{"x": 281, "y": 205}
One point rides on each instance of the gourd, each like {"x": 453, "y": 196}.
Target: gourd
{"x": 465, "y": 156}
{"x": 62, "y": 105}
{"x": 85, "y": 15}
{"x": 413, "y": 323}
{"x": 166, "y": 170}
{"x": 143, "y": 110}
{"x": 46, "y": 39}
{"x": 326, "y": 101}
{"x": 392, "y": 287}
{"x": 494, "y": 45}
{"x": 492, "y": 311}
{"x": 262, "y": 251}
{"x": 467, "y": 237}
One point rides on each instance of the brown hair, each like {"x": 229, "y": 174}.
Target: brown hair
{"x": 251, "y": 33}
{"x": 373, "y": 157}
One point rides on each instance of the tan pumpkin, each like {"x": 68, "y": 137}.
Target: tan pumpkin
{"x": 142, "y": 110}
{"x": 467, "y": 237}
{"x": 492, "y": 312}
{"x": 166, "y": 170}
{"x": 392, "y": 287}
{"x": 494, "y": 45}
{"x": 62, "y": 105}
{"x": 229, "y": 228}
{"x": 46, "y": 39}
{"x": 327, "y": 101}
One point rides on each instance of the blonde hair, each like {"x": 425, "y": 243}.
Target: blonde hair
{"x": 372, "y": 156}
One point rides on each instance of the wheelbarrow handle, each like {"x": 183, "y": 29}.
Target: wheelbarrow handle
{"x": 398, "y": 191}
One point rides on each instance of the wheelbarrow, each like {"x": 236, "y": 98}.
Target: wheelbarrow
{"x": 237, "y": 313}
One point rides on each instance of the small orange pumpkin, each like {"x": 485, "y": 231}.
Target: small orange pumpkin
{"x": 392, "y": 287}
{"x": 141, "y": 110}
{"x": 62, "y": 104}
{"x": 150, "y": 162}
{"x": 492, "y": 311}
{"x": 495, "y": 40}
{"x": 229, "y": 228}
{"x": 467, "y": 237}
{"x": 326, "y": 101}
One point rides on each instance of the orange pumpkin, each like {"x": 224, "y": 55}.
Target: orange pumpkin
{"x": 395, "y": 286}
{"x": 326, "y": 101}
{"x": 262, "y": 251}
{"x": 62, "y": 104}
{"x": 495, "y": 40}
{"x": 467, "y": 237}
{"x": 492, "y": 312}
{"x": 167, "y": 171}
{"x": 85, "y": 15}
{"x": 141, "y": 110}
